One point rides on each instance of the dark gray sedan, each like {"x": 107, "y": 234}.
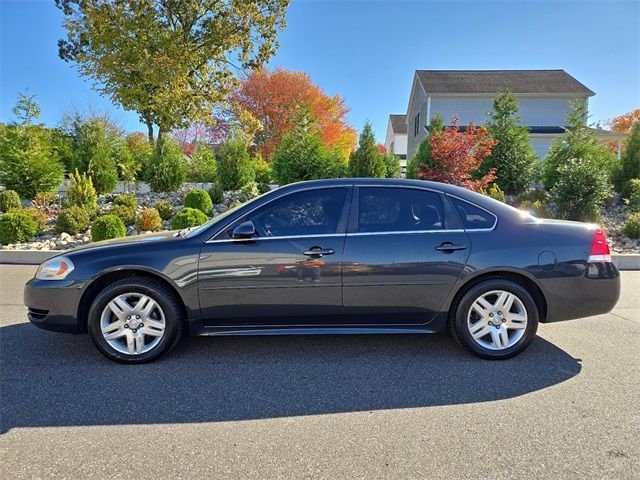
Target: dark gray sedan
{"x": 334, "y": 256}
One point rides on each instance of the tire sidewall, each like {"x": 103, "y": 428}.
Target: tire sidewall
{"x": 460, "y": 320}
{"x": 108, "y": 294}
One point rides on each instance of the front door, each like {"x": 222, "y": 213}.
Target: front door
{"x": 403, "y": 255}
{"x": 290, "y": 273}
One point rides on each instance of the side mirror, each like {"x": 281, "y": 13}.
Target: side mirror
{"x": 244, "y": 230}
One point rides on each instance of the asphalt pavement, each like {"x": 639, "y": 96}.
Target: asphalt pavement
{"x": 377, "y": 406}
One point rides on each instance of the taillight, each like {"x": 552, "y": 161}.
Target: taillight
{"x": 599, "y": 248}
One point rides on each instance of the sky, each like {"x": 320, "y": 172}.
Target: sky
{"x": 367, "y": 51}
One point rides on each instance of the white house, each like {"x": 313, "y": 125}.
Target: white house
{"x": 544, "y": 97}
{"x": 396, "y": 139}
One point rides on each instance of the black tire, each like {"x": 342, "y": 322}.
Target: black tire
{"x": 460, "y": 311}
{"x": 163, "y": 296}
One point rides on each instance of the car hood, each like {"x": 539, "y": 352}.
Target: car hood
{"x": 134, "y": 239}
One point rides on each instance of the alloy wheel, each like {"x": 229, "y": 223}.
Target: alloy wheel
{"x": 132, "y": 323}
{"x": 497, "y": 320}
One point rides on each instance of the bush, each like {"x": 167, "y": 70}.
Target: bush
{"x": 140, "y": 151}
{"x": 35, "y": 214}
{"x": 28, "y": 164}
{"x": 494, "y": 191}
{"x": 629, "y": 166}
{"x": 16, "y": 227}
{"x": 577, "y": 144}
{"x": 249, "y": 191}
{"x": 9, "y": 200}
{"x": 261, "y": 170}
{"x": 513, "y": 158}
{"x": 95, "y": 149}
{"x": 392, "y": 166}
{"x": 126, "y": 199}
{"x": 149, "y": 220}
{"x": 632, "y": 228}
{"x": 366, "y": 160}
{"x": 45, "y": 202}
{"x": 198, "y": 199}
{"x": 167, "y": 171}
{"x": 216, "y": 193}
{"x": 125, "y": 212}
{"x": 165, "y": 209}
{"x": 203, "y": 166}
{"x": 263, "y": 188}
{"x": 234, "y": 164}
{"x": 81, "y": 193}
{"x": 634, "y": 194}
{"x": 533, "y": 195}
{"x": 106, "y": 227}
{"x": 538, "y": 207}
{"x": 188, "y": 217}
{"x": 580, "y": 190}
{"x": 72, "y": 219}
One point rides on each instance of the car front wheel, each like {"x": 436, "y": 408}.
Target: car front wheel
{"x": 135, "y": 320}
{"x": 496, "y": 319}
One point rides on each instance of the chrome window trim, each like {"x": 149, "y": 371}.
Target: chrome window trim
{"x": 495, "y": 217}
{"x": 324, "y": 187}
{"x": 404, "y": 232}
{"x": 284, "y": 237}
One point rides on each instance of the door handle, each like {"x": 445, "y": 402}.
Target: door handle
{"x": 319, "y": 251}
{"x": 450, "y": 247}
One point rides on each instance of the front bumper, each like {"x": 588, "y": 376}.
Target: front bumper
{"x": 53, "y": 304}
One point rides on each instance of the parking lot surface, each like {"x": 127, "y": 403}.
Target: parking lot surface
{"x": 377, "y": 406}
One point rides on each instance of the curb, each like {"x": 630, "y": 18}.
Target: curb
{"x": 36, "y": 257}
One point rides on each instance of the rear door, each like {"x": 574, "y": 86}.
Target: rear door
{"x": 404, "y": 251}
{"x": 290, "y": 273}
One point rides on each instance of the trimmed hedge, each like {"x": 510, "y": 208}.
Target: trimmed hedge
{"x": 126, "y": 213}
{"x": 9, "y": 200}
{"x": 107, "y": 227}
{"x": 198, "y": 199}
{"x": 16, "y": 227}
{"x": 72, "y": 220}
{"x": 149, "y": 220}
{"x": 165, "y": 209}
{"x": 188, "y": 217}
{"x": 126, "y": 199}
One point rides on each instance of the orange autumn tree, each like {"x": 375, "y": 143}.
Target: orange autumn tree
{"x": 624, "y": 122}
{"x": 274, "y": 98}
{"x": 456, "y": 156}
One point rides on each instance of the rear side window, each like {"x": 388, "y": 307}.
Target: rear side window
{"x": 398, "y": 210}
{"x": 472, "y": 217}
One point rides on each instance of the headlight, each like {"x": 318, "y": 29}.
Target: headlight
{"x": 55, "y": 269}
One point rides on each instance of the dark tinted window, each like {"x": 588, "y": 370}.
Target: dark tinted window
{"x": 314, "y": 212}
{"x": 398, "y": 210}
{"x": 472, "y": 217}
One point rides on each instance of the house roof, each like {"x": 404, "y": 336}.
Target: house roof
{"x": 398, "y": 123}
{"x": 491, "y": 81}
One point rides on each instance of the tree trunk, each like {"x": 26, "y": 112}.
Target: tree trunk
{"x": 149, "y": 130}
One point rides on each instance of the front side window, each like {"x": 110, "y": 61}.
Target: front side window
{"x": 313, "y": 212}
{"x": 398, "y": 210}
{"x": 472, "y": 217}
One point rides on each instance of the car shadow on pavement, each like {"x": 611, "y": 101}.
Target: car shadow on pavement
{"x": 50, "y": 379}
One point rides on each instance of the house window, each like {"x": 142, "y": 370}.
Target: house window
{"x": 416, "y": 125}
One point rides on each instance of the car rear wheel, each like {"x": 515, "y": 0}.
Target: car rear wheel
{"x": 496, "y": 319}
{"x": 135, "y": 320}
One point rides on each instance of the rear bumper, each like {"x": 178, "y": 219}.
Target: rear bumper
{"x": 595, "y": 292}
{"x": 53, "y": 304}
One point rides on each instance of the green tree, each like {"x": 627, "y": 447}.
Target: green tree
{"x": 172, "y": 61}
{"x": 28, "y": 164}
{"x": 392, "y": 165}
{"x": 203, "y": 164}
{"x": 630, "y": 162}
{"x": 94, "y": 152}
{"x": 366, "y": 160}
{"x": 234, "y": 163}
{"x": 302, "y": 155}
{"x": 579, "y": 143}
{"x": 513, "y": 158}
{"x": 168, "y": 169}
{"x": 422, "y": 158}
{"x": 141, "y": 152}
